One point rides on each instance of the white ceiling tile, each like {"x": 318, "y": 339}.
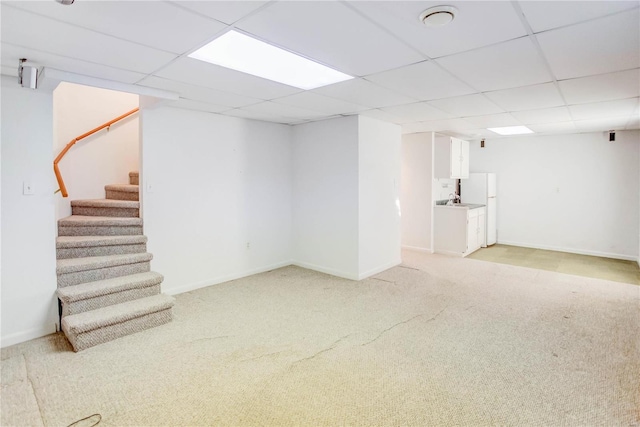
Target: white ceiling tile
{"x": 477, "y": 24}
{"x": 544, "y": 115}
{"x": 365, "y": 93}
{"x": 416, "y": 112}
{"x": 199, "y": 73}
{"x": 594, "y": 125}
{"x": 424, "y": 81}
{"x": 199, "y": 93}
{"x": 502, "y": 66}
{"x": 11, "y": 54}
{"x": 318, "y": 119}
{"x": 455, "y": 125}
{"x": 595, "y": 47}
{"x": 122, "y": 19}
{"x": 281, "y": 110}
{"x": 189, "y": 104}
{"x": 493, "y": 120}
{"x": 330, "y": 33}
{"x": 600, "y": 110}
{"x": 238, "y": 112}
{"x": 554, "y": 128}
{"x": 376, "y": 113}
{"x": 323, "y": 104}
{"x": 223, "y": 11}
{"x": 469, "y": 105}
{"x": 603, "y": 87}
{"x": 545, "y": 15}
{"x": 527, "y": 97}
{"x": 68, "y": 40}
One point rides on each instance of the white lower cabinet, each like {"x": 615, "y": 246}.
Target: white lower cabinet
{"x": 458, "y": 231}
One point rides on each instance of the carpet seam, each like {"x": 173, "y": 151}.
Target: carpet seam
{"x": 33, "y": 389}
{"x": 402, "y": 323}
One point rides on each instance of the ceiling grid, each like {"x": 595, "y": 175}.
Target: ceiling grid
{"x": 556, "y": 67}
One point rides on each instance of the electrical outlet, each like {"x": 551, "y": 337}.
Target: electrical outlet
{"x": 149, "y": 187}
{"x": 248, "y": 245}
{"x": 28, "y": 189}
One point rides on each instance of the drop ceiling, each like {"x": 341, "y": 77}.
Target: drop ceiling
{"x": 556, "y": 67}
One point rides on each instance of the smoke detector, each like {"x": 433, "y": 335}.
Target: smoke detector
{"x": 438, "y": 16}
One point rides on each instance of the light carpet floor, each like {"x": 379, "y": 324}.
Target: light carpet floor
{"x": 438, "y": 341}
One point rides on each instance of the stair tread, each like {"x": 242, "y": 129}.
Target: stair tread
{"x": 117, "y": 313}
{"x": 64, "y": 242}
{"x": 92, "y": 221}
{"x": 72, "y": 265}
{"x": 127, "y": 188}
{"x": 134, "y": 173}
{"x": 107, "y": 203}
{"x": 109, "y": 286}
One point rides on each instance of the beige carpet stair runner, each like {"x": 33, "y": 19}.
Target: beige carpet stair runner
{"x": 105, "y": 282}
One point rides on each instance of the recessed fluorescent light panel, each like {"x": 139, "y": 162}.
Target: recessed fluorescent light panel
{"x": 511, "y": 130}
{"x": 243, "y": 53}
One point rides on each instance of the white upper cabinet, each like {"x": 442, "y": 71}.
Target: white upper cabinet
{"x": 451, "y": 157}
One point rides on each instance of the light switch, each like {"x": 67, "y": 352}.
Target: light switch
{"x": 149, "y": 187}
{"x": 28, "y": 188}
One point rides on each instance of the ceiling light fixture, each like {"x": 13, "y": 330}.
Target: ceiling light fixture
{"x": 511, "y": 130}
{"x": 65, "y": 2}
{"x": 243, "y": 53}
{"x": 438, "y": 16}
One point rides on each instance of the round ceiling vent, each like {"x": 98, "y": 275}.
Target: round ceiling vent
{"x": 438, "y": 16}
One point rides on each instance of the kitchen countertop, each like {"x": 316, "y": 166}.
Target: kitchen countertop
{"x": 461, "y": 206}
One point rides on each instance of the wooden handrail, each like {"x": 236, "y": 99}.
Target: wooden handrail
{"x": 63, "y": 188}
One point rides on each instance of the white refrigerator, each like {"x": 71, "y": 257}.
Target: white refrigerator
{"x": 480, "y": 188}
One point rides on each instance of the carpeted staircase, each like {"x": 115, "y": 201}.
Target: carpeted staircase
{"x": 104, "y": 280}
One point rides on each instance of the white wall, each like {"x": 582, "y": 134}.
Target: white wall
{"x": 415, "y": 199}
{"x": 220, "y": 201}
{"x": 29, "y": 308}
{"x": 576, "y": 193}
{"x": 325, "y": 196}
{"x": 104, "y": 158}
{"x": 379, "y": 196}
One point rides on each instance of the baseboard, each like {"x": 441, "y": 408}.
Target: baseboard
{"x": 222, "y": 279}
{"x": 570, "y": 250}
{"x": 325, "y": 270}
{"x": 417, "y": 249}
{"x": 31, "y": 334}
{"x": 379, "y": 269}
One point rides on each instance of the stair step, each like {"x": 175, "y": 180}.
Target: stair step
{"x": 102, "y": 293}
{"x": 82, "y": 225}
{"x": 69, "y": 242}
{"x": 134, "y": 178}
{"x": 122, "y": 191}
{"x": 74, "y": 271}
{"x": 106, "y": 207}
{"x": 88, "y": 246}
{"x": 95, "y": 327}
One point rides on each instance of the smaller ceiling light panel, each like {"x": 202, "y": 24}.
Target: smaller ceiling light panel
{"x": 243, "y": 53}
{"x": 511, "y": 130}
